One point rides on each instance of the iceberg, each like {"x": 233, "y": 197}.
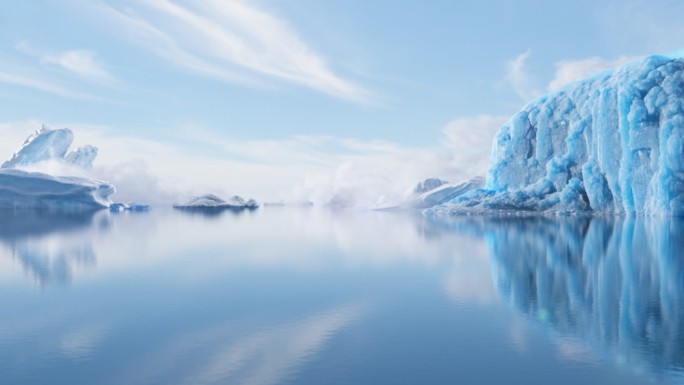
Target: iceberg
{"x": 446, "y": 192}
{"x": 118, "y": 207}
{"x": 51, "y": 144}
{"x": 211, "y": 201}
{"x": 428, "y": 184}
{"x": 82, "y": 156}
{"x": 32, "y": 190}
{"x": 45, "y": 144}
{"x": 21, "y": 189}
{"x": 609, "y": 144}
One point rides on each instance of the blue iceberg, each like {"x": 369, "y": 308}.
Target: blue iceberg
{"x": 610, "y": 144}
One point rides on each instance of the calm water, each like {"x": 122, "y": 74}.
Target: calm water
{"x": 303, "y": 296}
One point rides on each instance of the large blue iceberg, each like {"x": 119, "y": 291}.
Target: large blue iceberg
{"x": 610, "y": 144}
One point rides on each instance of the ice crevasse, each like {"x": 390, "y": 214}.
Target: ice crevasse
{"x": 612, "y": 143}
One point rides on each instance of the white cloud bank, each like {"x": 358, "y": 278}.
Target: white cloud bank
{"x": 325, "y": 170}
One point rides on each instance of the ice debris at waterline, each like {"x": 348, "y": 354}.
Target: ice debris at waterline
{"x": 118, "y": 207}
{"x": 613, "y": 143}
{"x": 32, "y": 190}
{"x": 210, "y": 201}
{"x": 51, "y": 144}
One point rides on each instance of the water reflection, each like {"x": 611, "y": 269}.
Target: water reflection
{"x": 615, "y": 283}
{"x": 49, "y": 245}
{"x": 215, "y": 212}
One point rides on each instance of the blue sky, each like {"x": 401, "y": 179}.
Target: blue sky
{"x": 293, "y": 91}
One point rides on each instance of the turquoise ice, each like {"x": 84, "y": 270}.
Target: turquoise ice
{"x": 612, "y": 143}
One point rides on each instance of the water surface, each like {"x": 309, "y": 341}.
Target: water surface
{"x": 305, "y": 296}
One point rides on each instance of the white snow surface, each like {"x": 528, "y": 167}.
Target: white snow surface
{"x": 32, "y": 190}
{"x": 610, "y": 144}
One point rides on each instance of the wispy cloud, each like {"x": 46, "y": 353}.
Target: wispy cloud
{"x": 34, "y": 83}
{"x": 519, "y": 79}
{"x": 568, "y": 71}
{"x": 230, "y": 40}
{"x": 83, "y": 63}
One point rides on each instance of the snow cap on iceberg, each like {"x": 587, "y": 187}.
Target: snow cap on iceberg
{"x": 51, "y": 144}
{"x": 613, "y": 143}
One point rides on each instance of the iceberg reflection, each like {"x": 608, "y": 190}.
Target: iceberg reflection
{"x": 615, "y": 283}
{"x": 48, "y": 245}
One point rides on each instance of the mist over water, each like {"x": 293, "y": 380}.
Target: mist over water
{"x": 170, "y": 297}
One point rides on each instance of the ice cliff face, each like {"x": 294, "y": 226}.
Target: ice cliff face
{"x": 32, "y": 190}
{"x": 51, "y": 144}
{"x": 613, "y": 143}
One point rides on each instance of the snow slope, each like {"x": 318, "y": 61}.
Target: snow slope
{"x": 613, "y": 143}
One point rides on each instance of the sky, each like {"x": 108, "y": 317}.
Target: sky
{"x": 300, "y": 99}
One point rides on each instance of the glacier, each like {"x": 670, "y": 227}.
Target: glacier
{"x": 609, "y": 144}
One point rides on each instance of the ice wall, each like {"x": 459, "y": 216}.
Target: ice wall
{"x": 613, "y": 143}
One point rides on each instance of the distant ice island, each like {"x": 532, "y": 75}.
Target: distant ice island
{"x": 609, "y": 144}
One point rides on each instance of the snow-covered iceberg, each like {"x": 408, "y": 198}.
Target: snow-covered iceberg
{"x": 20, "y": 189}
{"x": 32, "y": 190}
{"x": 613, "y": 143}
{"x": 446, "y": 192}
{"x": 48, "y": 144}
{"x": 211, "y": 201}
{"x": 428, "y": 184}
